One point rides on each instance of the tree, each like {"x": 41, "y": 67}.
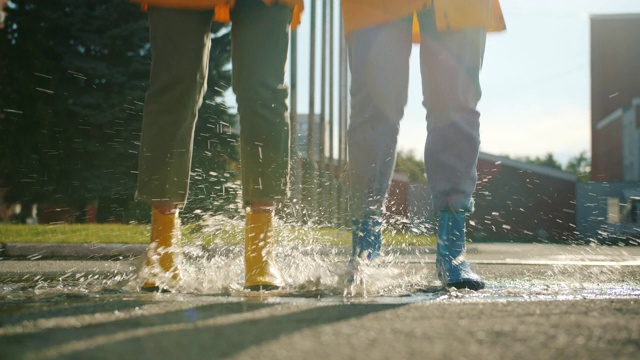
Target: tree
{"x": 72, "y": 80}
{"x": 546, "y": 160}
{"x": 407, "y": 164}
{"x": 579, "y": 165}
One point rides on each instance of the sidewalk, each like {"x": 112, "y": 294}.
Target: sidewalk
{"x": 542, "y": 302}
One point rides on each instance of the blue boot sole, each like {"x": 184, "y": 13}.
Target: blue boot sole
{"x": 474, "y": 285}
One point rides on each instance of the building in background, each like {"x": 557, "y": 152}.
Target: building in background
{"x": 608, "y": 207}
{"x": 515, "y": 200}
{"x": 615, "y": 97}
{"x": 520, "y": 200}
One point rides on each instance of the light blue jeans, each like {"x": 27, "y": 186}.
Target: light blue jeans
{"x": 450, "y": 65}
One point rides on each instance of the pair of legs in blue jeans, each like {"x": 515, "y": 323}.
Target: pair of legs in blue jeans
{"x": 450, "y": 64}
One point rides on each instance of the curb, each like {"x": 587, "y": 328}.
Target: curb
{"x": 29, "y": 251}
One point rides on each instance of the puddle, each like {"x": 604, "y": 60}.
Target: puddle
{"x": 318, "y": 279}
{"x": 314, "y": 273}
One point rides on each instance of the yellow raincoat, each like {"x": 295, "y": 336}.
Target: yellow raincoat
{"x": 449, "y": 14}
{"x": 222, "y": 7}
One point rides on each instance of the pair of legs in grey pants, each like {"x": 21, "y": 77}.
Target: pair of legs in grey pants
{"x": 180, "y": 44}
{"x": 450, "y": 66}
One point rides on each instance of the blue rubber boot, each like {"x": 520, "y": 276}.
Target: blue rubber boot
{"x": 451, "y": 265}
{"x": 366, "y": 238}
{"x": 366, "y": 242}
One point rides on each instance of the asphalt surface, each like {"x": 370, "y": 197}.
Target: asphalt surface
{"x": 541, "y": 302}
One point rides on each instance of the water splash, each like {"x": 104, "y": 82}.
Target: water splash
{"x": 313, "y": 261}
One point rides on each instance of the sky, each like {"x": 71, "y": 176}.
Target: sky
{"x": 535, "y": 80}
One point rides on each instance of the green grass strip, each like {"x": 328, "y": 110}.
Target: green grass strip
{"x": 75, "y": 234}
{"x": 139, "y": 234}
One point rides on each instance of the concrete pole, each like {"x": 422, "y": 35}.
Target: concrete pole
{"x": 331, "y": 83}
{"x": 312, "y": 83}
{"x": 310, "y": 172}
{"x": 344, "y": 102}
{"x": 333, "y": 203}
{"x": 296, "y": 179}
{"x": 323, "y": 87}
{"x": 322, "y": 174}
{"x": 341, "y": 95}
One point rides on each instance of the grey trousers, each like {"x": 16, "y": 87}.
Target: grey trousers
{"x": 450, "y": 65}
{"x": 180, "y": 44}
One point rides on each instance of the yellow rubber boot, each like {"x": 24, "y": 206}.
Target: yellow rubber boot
{"x": 259, "y": 262}
{"x": 160, "y": 270}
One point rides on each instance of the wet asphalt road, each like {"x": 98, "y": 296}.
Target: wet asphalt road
{"x": 542, "y": 302}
